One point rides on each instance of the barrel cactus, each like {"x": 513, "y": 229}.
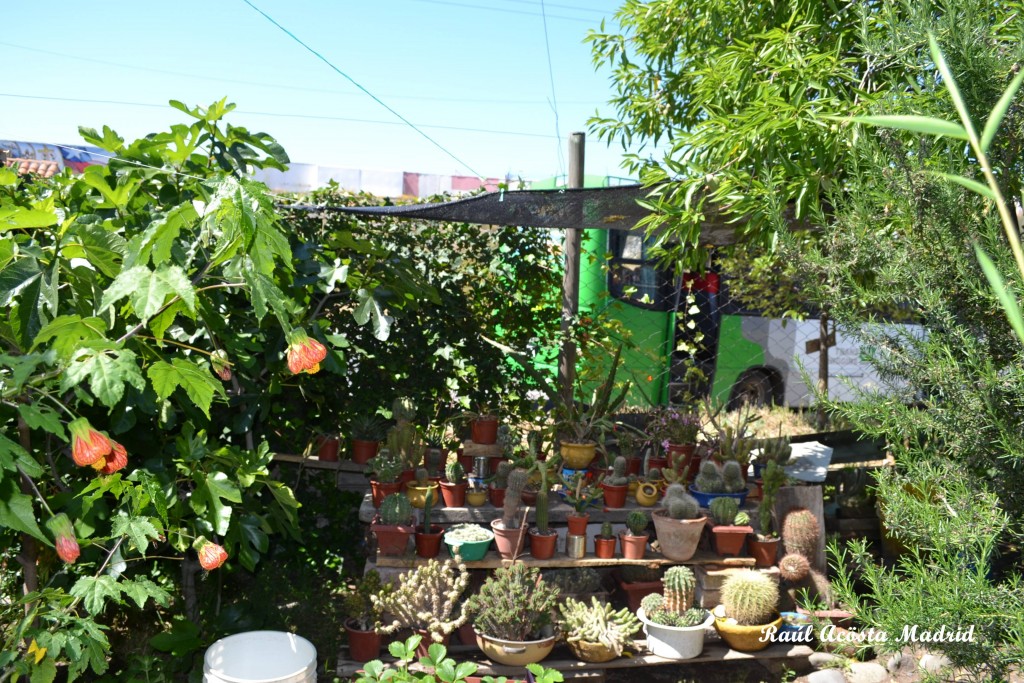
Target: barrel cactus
{"x": 636, "y": 521}
{"x": 750, "y": 598}
{"x": 680, "y": 584}
{"x": 794, "y": 567}
{"x": 683, "y": 508}
{"x": 395, "y": 509}
{"x": 606, "y": 530}
{"x": 732, "y": 477}
{"x": 454, "y": 472}
{"x": 724, "y": 511}
{"x": 801, "y": 532}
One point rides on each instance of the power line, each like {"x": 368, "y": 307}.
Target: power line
{"x": 569, "y": 7}
{"x": 278, "y": 114}
{"x": 551, "y": 78}
{"x": 498, "y": 9}
{"x": 281, "y": 86}
{"x": 370, "y": 94}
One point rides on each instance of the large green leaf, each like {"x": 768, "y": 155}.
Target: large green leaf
{"x": 16, "y": 277}
{"x": 13, "y": 456}
{"x": 141, "y": 589}
{"x": 42, "y": 417}
{"x": 107, "y": 370}
{"x": 12, "y": 217}
{"x": 16, "y": 511}
{"x": 68, "y": 332}
{"x": 369, "y": 311}
{"x": 181, "y": 640}
{"x": 265, "y": 294}
{"x": 156, "y": 242}
{"x": 197, "y": 382}
{"x": 208, "y": 499}
{"x": 95, "y": 591}
{"x": 139, "y": 529}
{"x": 148, "y": 290}
{"x": 103, "y": 248}
{"x": 916, "y": 124}
{"x": 1005, "y": 296}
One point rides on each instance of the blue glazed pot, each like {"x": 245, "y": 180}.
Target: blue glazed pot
{"x": 705, "y": 498}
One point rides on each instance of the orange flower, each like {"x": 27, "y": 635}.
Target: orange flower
{"x": 117, "y": 459}
{"x": 87, "y": 445}
{"x": 212, "y": 556}
{"x": 64, "y": 533}
{"x": 305, "y": 354}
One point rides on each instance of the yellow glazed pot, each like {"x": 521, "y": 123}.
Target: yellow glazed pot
{"x": 577, "y": 456}
{"x": 743, "y": 638}
{"x": 647, "y": 494}
{"x": 476, "y": 498}
{"x": 418, "y": 494}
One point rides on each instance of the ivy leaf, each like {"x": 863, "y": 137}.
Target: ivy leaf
{"x": 42, "y": 417}
{"x": 141, "y": 589}
{"x": 69, "y": 331}
{"x": 369, "y": 310}
{"x": 95, "y": 591}
{"x": 107, "y": 370}
{"x": 148, "y": 290}
{"x": 16, "y": 511}
{"x": 208, "y": 499}
{"x": 197, "y": 382}
{"x": 139, "y": 529}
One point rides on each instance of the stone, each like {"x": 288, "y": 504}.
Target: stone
{"x": 713, "y": 579}
{"x": 867, "y": 672}
{"x": 826, "y": 676}
{"x": 933, "y": 663}
{"x": 894, "y": 663}
{"x": 707, "y": 598}
{"x": 824, "y": 660}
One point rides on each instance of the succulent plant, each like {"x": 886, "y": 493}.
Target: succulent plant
{"x": 772, "y": 478}
{"x": 732, "y": 477}
{"x": 368, "y": 428}
{"x": 517, "y": 480}
{"x": 794, "y": 567}
{"x": 776, "y": 450}
{"x": 395, "y": 509}
{"x": 680, "y": 584}
{"x": 724, "y": 511}
{"x": 654, "y": 610}
{"x": 750, "y": 598}
{"x": 422, "y": 476}
{"x": 652, "y": 602}
{"x": 514, "y": 603}
{"x": 675, "y": 491}
{"x": 682, "y": 507}
{"x": 385, "y": 467}
{"x": 636, "y": 521}
{"x": 574, "y": 581}
{"x": 812, "y": 591}
{"x": 597, "y": 623}
{"x": 501, "y": 474}
{"x": 709, "y": 479}
{"x": 741, "y": 519}
{"x": 426, "y": 598}
{"x": 358, "y": 604}
{"x": 606, "y": 530}
{"x": 454, "y": 472}
{"x": 654, "y": 474}
{"x": 618, "y": 476}
{"x": 801, "y": 532}
{"x": 403, "y": 409}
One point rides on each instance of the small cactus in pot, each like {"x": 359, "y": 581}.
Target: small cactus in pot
{"x": 634, "y": 543}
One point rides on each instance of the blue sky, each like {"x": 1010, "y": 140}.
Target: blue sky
{"x": 460, "y": 64}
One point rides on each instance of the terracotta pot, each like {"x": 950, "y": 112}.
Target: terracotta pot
{"x": 578, "y": 456}
{"x": 637, "y": 591}
{"x": 429, "y": 545}
{"x": 422, "y": 650}
{"x": 392, "y": 539}
{"x": 542, "y": 547}
{"x": 484, "y": 430}
{"x": 379, "y": 490}
{"x": 454, "y": 495}
{"x": 405, "y": 477}
{"x": 363, "y": 646}
{"x": 839, "y": 617}
{"x": 764, "y": 552}
{"x": 614, "y": 496}
{"x": 678, "y": 538}
{"x": 364, "y": 451}
{"x": 497, "y": 496}
{"x": 465, "y": 460}
{"x": 528, "y": 497}
{"x": 634, "y": 465}
{"x": 327, "y": 448}
{"x": 577, "y": 523}
{"x": 682, "y": 454}
{"x": 660, "y": 463}
{"x": 467, "y": 635}
{"x": 509, "y": 541}
{"x": 633, "y": 547}
{"x": 729, "y": 540}
{"x": 604, "y": 548}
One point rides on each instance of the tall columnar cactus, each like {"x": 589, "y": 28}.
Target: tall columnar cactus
{"x": 801, "y": 532}
{"x": 542, "y": 499}
{"x": 517, "y": 480}
{"x": 724, "y": 511}
{"x": 772, "y": 478}
{"x": 709, "y": 479}
{"x": 751, "y": 598}
{"x": 636, "y": 521}
{"x": 454, "y": 472}
{"x": 403, "y": 409}
{"x": 428, "y": 510}
{"x": 395, "y": 509}
{"x": 501, "y": 474}
{"x": 618, "y": 476}
{"x": 606, "y": 530}
{"x": 426, "y": 598}
{"x": 680, "y": 584}
{"x": 794, "y": 567}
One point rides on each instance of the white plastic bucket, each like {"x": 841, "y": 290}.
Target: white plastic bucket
{"x": 260, "y": 657}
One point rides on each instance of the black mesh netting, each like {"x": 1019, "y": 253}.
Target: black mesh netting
{"x": 609, "y": 208}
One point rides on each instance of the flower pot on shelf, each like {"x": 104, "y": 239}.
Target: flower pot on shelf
{"x": 469, "y": 550}
{"x": 633, "y": 547}
{"x": 577, "y": 523}
{"x": 379, "y": 490}
{"x": 674, "y": 642}
{"x": 682, "y": 454}
{"x": 467, "y": 636}
{"x": 529, "y": 497}
{"x": 327, "y": 448}
{"x": 418, "y": 494}
{"x": 429, "y": 545}
{"x": 497, "y": 496}
{"x": 677, "y": 538}
{"x": 604, "y": 548}
{"x": 423, "y": 649}
{"x": 647, "y": 494}
{"x": 515, "y": 652}
{"x": 658, "y": 462}
{"x": 392, "y": 539}
{"x": 578, "y": 456}
{"x": 744, "y": 638}
{"x": 476, "y": 497}
{"x": 765, "y": 552}
{"x": 614, "y": 496}
{"x": 364, "y": 451}
{"x": 484, "y": 430}
{"x": 454, "y": 495}
{"x": 363, "y": 646}
{"x": 634, "y": 465}
{"x": 542, "y": 546}
{"x": 509, "y": 541}
{"x": 636, "y": 591}
{"x": 587, "y": 651}
{"x": 406, "y": 476}
{"x": 705, "y": 498}
{"x": 729, "y": 540}
{"x": 465, "y": 460}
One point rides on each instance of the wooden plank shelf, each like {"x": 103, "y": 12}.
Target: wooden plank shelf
{"x": 493, "y": 560}
{"x": 343, "y": 465}
{"x": 562, "y": 660}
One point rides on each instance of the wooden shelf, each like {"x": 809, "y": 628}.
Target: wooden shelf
{"x": 343, "y": 465}
{"x": 493, "y": 560}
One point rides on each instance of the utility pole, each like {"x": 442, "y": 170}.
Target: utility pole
{"x": 571, "y": 278}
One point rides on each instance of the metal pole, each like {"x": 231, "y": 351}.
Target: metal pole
{"x": 822, "y": 367}
{"x": 571, "y": 279}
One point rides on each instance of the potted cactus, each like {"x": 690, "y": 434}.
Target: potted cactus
{"x": 596, "y": 632}
{"x": 674, "y": 627}
{"x": 616, "y": 485}
{"x": 542, "y": 537}
{"x": 604, "y": 542}
{"x": 749, "y": 608}
{"x": 428, "y": 540}
{"x": 384, "y": 471}
{"x": 731, "y": 527}
{"x": 422, "y": 489}
{"x": 510, "y": 530}
{"x": 483, "y": 426}
{"x": 454, "y": 485}
{"x": 362, "y": 616}
{"x": 496, "y": 489}
{"x": 395, "y": 525}
{"x": 715, "y": 480}
{"x": 764, "y": 547}
{"x": 511, "y": 615}
{"x": 426, "y": 600}
{"x": 634, "y": 538}
{"x": 636, "y": 582}
{"x": 580, "y": 495}
{"x": 678, "y": 524}
{"x": 366, "y": 432}
{"x": 648, "y": 491}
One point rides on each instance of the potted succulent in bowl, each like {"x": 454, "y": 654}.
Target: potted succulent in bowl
{"x": 384, "y": 471}
{"x": 604, "y": 542}
{"x": 731, "y": 527}
{"x": 395, "y": 525}
{"x": 616, "y": 485}
{"x": 512, "y": 615}
{"x": 678, "y": 524}
{"x": 674, "y": 627}
{"x": 764, "y": 547}
{"x": 366, "y": 432}
{"x": 454, "y": 486}
{"x": 596, "y": 632}
{"x": 470, "y": 541}
{"x": 749, "y": 608}
{"x": 714, "y": 481}
{"x": 634, "y": 539}
{"x": 581, "y": 426}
